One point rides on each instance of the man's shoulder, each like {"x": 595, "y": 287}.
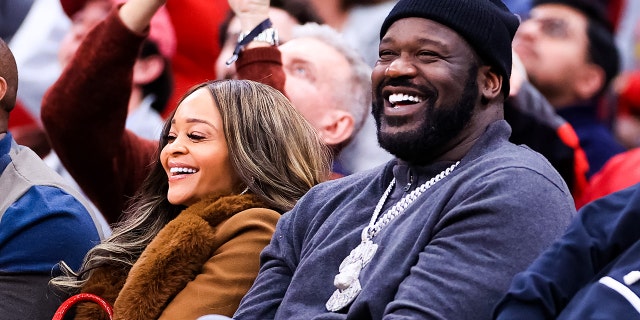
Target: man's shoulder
{"x": 509, "y": 154}
{"x": 517, "y": 162}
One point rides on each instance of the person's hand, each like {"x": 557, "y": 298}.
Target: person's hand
{"x": 137, "y": 14}
{"x": 250, "y": 12}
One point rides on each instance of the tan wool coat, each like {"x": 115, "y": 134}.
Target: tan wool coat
{"x": 202, "y": 262}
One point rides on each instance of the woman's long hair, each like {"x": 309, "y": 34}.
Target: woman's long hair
{"x": 276, "y": 153}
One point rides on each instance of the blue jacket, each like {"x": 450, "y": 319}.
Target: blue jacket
{"x": 596, "y": 139}
{"x": 42, "y": 222}
{"x": 590, "y": 273}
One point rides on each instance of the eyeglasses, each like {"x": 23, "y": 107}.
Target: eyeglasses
{"x": 552, "y": 27}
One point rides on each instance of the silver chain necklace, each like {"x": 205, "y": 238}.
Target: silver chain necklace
{"x": 347, "y": 280}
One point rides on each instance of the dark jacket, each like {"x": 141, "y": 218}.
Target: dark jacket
{"x": 590, "y": 273}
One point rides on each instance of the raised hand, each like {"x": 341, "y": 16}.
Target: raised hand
{"x": 250, "y": 12}
{"x": 137, "y": 14}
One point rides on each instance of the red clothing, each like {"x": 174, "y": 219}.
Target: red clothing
{"x": 621, "y": 171}
{"x": 85, "y": 110}
{"x": 196, "y": 24}
{"x": 84, "y": 114}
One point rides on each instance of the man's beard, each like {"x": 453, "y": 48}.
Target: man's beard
{"x": 439, "y": 127}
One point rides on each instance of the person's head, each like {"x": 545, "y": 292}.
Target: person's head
{"x": 568, "y": 50}
{"x": 223, "y": 137}
{"x": 229, "y": 135}
{"x": 152, "y": 71}
{"x": 328, "y": 82}
{"x": 284, "y": 14}
{"x": 8, "y": 84}
{"x": 442, "y": 75}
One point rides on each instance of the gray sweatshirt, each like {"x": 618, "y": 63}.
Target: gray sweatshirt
{"x": 450, "y": 255}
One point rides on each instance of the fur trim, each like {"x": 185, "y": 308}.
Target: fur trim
{"x": 170, "y": 261}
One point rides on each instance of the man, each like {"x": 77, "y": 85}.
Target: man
{"x": 438, "y": 231}
{"x": 42, "y": 220}
{"x": 570, "y": 56}
{"x": 592, "y": 272}
{"x": 355, "y": 150}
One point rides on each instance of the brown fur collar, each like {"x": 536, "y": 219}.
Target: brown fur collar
{"x": 169, "y": 262}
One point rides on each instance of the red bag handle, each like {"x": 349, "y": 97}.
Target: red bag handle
{"x": 67, "y": 304}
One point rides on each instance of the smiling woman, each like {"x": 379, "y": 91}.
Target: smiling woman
{"x": 232, "y": 157}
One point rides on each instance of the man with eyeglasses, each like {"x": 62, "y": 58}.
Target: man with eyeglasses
{"x": 567, "y": 48}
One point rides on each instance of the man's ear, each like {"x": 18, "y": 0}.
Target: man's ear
{"x": 3, "y": 87}
{"x": 489, "y": 83}
{"x": 589, "y": 81}
{"x": 336, "y": 128}
{"x": 147, "y": 69}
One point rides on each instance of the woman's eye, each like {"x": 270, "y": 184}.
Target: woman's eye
{"x": 195, "y": 136}
{"x": 170, "y": 138}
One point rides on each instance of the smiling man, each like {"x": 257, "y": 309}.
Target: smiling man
{"x": 439, "y": 231}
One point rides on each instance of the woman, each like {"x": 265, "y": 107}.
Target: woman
{"x": 233, "y": 155}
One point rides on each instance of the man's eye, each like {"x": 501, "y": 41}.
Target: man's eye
{"x": 302, "y": 71}
{"x": 554, "y": 28}
{"x": 385, "y": 53}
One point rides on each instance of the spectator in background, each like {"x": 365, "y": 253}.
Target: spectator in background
{"x": 285, "y": 16}
{"x": 42, "y": 220}
{"x": 359, "y": 23}
{"x": 362, "y": 139}
{"x": 568, "y": 50}
{"x": 152, "y": 81}
{"x": 535, "y": 123}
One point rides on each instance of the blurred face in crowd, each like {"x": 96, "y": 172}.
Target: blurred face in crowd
{"x": 196, "y": 156}
{"x": 425, "y": 89}
{"x": 553, "y": 47}
{"x": 316, "y": 74}
{"x": 281, "y": 20}
{"x": 83, "y": 21}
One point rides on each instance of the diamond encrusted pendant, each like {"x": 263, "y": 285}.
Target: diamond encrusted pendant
{"x": 347, "y": 280}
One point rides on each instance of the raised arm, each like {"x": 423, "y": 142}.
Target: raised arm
{"x": 85, "y": 110}
{"x": 258, "y": 61}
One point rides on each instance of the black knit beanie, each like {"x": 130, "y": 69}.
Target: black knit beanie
{"x": 487, "y": 25}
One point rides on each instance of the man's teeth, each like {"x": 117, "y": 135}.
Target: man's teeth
{"x": 182, "y": 170}
{"x": 400, "y": 97}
